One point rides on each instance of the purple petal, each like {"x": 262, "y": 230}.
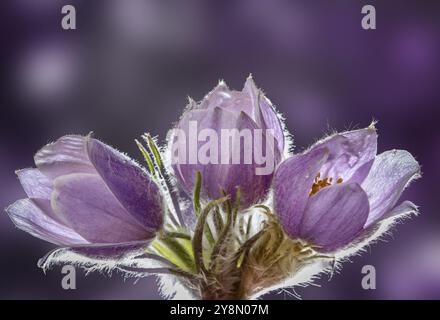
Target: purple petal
{"x": 34, "y": 183}
{"x": 185, "y": 170}
{"x": 67, "y": 155}
{"x": 250, "y": 101}
{"x": 93, "y": 211}
{"x": 129, "y": 256}
{"x": 218, "y": 97}
{"x": 39, "y": 188}
{"x": 388, "y": 177}
{"x": 46, "y": 206}
{"x": 129, "y": 183}
{"x": 28, "y": 217}
{"x": 349, "y": 152}
{"x": 230, "y": 100}
{"x": 292, "y": 183}
{"x": 252, "y": 96}
{"x": 114, "y": 251}
{"x": 110, "y": 251}
{"x": 361, "y": 173}
{"x": 224, "y": 109}
{"x": 335, "y": 216}
{"x": 217, "y": 175}
{"x": 262, "y": 105}
{"x": 253, "y": 187}
{"x": 403, "y": 209}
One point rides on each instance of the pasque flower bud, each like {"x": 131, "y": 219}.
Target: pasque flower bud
{"x": 234, "y": 139}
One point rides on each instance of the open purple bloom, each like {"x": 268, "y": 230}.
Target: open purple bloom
{"x": 339, "y": 187}
{"x": 85, "y": 193}
{"x": 198, "y": 144}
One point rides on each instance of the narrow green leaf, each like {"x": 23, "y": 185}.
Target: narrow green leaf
{"x": 246, "y": 247}
{"x": 209, "y": 235}
{"x": 179, "y": 235}
{"x": 241, "y": 225}
{"x": 236, "y": 205}
{"x": 266, "y": 209}
{"x": 196, "y": 193}
{"x": 227, "y": 203}
{"x": 218, "y": 247}
{"x": 240, "y": 260}
{"x": 167, "y": 254}
{"x": 197, "y": 242}
{"x": 218, "y": 221}
{"x": 153, "y": 147}
{"x": 162, "y": 173}
{"x": 179, "y": 253}
{"x": 146, "y": 157}
{"x": 249, "y": 227}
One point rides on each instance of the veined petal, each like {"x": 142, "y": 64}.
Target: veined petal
{"x": 250, "y": 101}
{"x": 28, "y": 217}
{"x": 253, "y": 187}
{"x": 252, "y": 94}
{"x": 391, "y": 172}
{"x": 216, "y": 97}
{"x": 361, "y": 173}
{"x": 349, "y": 151}
{"x": 249, "y": 114}
{"x": 93, "y": 211}
{"x": 263, "y": 112}
{"x": 184, "y": 169}
{"x": 403, "y": 209}
{"x": 224, "y": 172}
{"x": 230, "y": 100}
{"x": 104, "y": 251}
{"x": 66, "y": 155}
{"x": 38, "y": 187}
{"x": 129, "y": 183}
{"x": 292, "y": 184}
{"x": 335, "y": 216}
{"x": 34, "y": 183}
{"x": 129, "y": 257}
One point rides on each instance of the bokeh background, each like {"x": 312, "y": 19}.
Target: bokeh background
{"x": 130, "y": 65}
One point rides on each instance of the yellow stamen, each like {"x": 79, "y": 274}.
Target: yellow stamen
{"x": 319, "y": 183}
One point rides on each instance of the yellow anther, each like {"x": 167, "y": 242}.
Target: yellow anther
{"x": 319, "y": 183}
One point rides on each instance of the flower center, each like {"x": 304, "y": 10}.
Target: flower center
{"x": 319, "y": 183}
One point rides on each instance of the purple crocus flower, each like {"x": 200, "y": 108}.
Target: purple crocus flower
{"x": 332, "y": 192}
{"x": 224, "y": 110}
{"x": 84, "y": 193}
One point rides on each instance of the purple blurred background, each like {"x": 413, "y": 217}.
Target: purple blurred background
{"x": 130, "y": 65}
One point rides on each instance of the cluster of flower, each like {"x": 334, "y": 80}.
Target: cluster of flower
{"x": 215, "y": 231}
